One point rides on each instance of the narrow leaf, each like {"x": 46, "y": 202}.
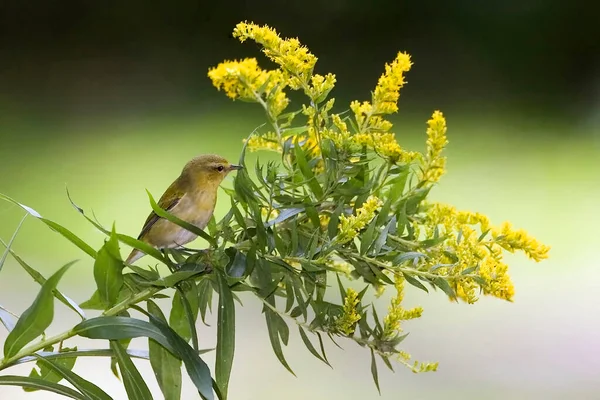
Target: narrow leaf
{"x": 310, "y": 346}
{"x": 36, "y": 318}
{"x": 10, "y": 242}
{"x": 135, "y": 386}
{"x": 54, "y": 226}
{"x": 7, "y": 319}
{"x": 39, "y": 278}
{"x": 225, "y": 336}
{"x": 413, "y": 281}
{"x": 374, "y": 371}
{"x": 108, "y": 271}
{"x": 40, "y": 384}
{"x": 274, "y": 331}
{"x": 114, "y": 328}
{"x": 166, "y": 367}
{"x": 86, "y": 387}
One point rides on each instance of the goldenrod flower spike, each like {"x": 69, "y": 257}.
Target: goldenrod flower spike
{"x": 347, "y": 321}
{"x": 387, "y": 91}
{"x": 350, "y": 225}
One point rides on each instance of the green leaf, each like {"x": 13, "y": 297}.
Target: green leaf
{"x": 374, "y": 371}
{"x": 274, "y": 322}
{"x": 40, "y": 384}
{"x": 179, "y": 320}
{"x": 114, "y": 328}
{"x": 177, "y": 221}
{"x": 413, "y": 256}
{"x": 36, "y": 318}
{"x": 382, "y": 238}
{"x": 108, "y": 271}
{"x": 308, "y": 173}
{"x": 334, "y": 221}
{"x": 443, "y": 284}
{"x": 86, "y": 387}
{"x": 310, "y": 346}
{"x": 54, "y": 226}
{"x": 175, "y": 278}
{"x": 286, "y": 214}
{"x": 10, "y": 242}
{"x": 225, "y": 335}
{"x": 166, "y": 367}
{"x": 367, "y": 238}
{"x": 413, "y": 281}
{"x": 469, "y": 270}
{"x": 39, "y": 278}
{"x": 7, "y": 319}
{"x": 237, "y": 268}
{"x": 135, "y": 386}
{"x": 128, "y": 240}
{"x": 51, "y": 355}
{"x": 205, "y": 291}
{"x": 48, "y": 373}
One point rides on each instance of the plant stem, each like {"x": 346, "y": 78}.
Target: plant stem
{"x": 124, "y": 305}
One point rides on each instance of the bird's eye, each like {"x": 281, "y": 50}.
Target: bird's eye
{"x": 220, "y": 168}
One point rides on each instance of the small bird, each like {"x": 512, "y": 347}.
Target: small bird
{"x": 191, "y": 197}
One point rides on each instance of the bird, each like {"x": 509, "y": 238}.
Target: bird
{"x": 191, "y": 197}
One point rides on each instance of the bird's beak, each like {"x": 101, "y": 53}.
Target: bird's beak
{"x": 233, "y": 167}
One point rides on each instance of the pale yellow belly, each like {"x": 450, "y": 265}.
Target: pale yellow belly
{"x": 165, "y": 234}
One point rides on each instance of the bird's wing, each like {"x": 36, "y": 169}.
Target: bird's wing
{"x": 169, "y": 199}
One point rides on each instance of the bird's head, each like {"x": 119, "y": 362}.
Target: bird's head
{"x": 208, "y": 170}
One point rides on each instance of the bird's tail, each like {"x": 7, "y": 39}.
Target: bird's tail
{"x": 134, "y": 256}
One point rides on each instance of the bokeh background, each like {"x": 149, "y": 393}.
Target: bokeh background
{"x": 111, "y": 98}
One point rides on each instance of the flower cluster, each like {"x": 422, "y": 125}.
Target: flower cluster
{"x": 387, "y": 91}
{"x": 289, "y": 54}
{"x": 245, "y": 80}
{"x": 350, "y": 316}
{"x": 396, "y": 313}
{"x": 435, "y": 164}
{"x": 466, "y": 234}
{"x": 350, "y": 225}
{"x": 332, "y": 162}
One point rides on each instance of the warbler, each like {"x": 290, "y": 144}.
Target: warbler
{"x": 191, "y": 197}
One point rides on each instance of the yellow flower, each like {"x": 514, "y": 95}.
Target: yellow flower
{"x": 496, "y": 276}
{"x": 239, "y": 79}
{"x": 396, "y": 313}
{"x": 346, "y": 323}
{"x": 321, "y": 86}
{"x": 387, "y": 91}
{"x": 472, "y": 250}
{"x": 289, "y": 54}
{"x": 513, "y": 240}
{"x": 340, "y": 266}
{"x": 362, "y": 111}
{"x": 350, "y": 225}
{"x": 435, "y": 164}
{"x": 268, "y": 141}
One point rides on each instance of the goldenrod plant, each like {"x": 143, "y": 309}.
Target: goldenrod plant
{"x": 344, "y": 209}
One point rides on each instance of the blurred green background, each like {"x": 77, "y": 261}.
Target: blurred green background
{"x": 112, "y": 99}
